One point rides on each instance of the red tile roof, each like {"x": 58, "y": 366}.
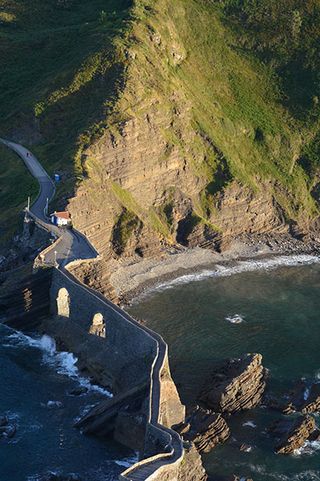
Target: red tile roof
{"x": 62, "y": 215}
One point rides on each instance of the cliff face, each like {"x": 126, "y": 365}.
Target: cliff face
{"x": 139, "y": 173}
{"x": 181, "y": 161}
{"x": 164, "y": 131}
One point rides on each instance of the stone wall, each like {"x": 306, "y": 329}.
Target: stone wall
{"x": 24, "y": 297}
{"x": 123, "y": 350}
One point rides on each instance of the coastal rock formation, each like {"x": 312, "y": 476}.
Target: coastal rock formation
{"x": 191, "y": 468}
{"x": 303, "y": 397}
{"x": 236, "y": 385}
{"x": 292, "y": 434}
{"x": 118, "y": 417}
{"x": 7, "y": 429}
{"x": 205, "y": 429}
{"x": 312, "y": 400}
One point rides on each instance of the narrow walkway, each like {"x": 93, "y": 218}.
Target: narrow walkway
{"x": 73, "y": 245}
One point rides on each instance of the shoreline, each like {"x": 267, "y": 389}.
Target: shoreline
{"x": 137, "y": 279}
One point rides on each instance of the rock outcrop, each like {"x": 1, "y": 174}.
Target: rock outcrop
{"x": 191, "y": 467}
{"x": 119, "y": 417}
{"x": 292, "y": 434}
{"x": 312, "y": 400}
{"x": 236, "y": 385}
{"x": 205, "y": 429}
{"x": 303, "y": 397}
{"x": 7, "y": 429}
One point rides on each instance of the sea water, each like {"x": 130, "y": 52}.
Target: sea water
{"x": 36, "y": 382}
{"x": 226, "y": 312}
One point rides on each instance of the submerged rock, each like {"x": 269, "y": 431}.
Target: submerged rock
{"x": 60, "y": 477}
{"x": 236, "y": 385}
{"x": 315, "y": 436}
{"x": 312, "y": 401}
{"x": 292, "y": 433}
{"x": 303, "y": 397}
{"x": 246, "y": 448}
{"x": 205, "y": 429}
{"x": 8, "y": 431}
{"x": 4, "y": 421}
{"x": 78, "y": 391}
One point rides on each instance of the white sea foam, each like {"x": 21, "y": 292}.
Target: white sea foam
{"x": 63, "y": 362}
{"x": 235, "y": 319}
{"x": 238, "y": 268}
{"x": 250, "y": 424}
{"x": 309, "y": 475}
{"x": 309, "y": 448}
{"x": 54, "y": 404}
{"x": 127, "y": 462}
{"x": 306, "y": 394}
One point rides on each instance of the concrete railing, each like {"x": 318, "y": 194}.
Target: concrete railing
{"x": 173, "y": 442}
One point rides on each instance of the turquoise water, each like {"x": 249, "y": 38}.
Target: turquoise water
{"x": 281, "y": 320}
{"x": 33, "y": 374}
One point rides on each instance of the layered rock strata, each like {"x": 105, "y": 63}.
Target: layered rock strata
{"x": 236, "y": 385}
{"x": 292, "y": 434}
{"x": 205, "y": 429}
{"x": 303, "y": 397}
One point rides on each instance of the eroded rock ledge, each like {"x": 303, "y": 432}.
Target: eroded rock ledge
{"x": 292, "y": 434}
{"x": 236, "y": 385}
{"x": 205, "y": 429}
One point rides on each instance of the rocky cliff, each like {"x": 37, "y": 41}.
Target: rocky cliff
{"x": 163, "y": 131}
{"x": 174, "y": 165}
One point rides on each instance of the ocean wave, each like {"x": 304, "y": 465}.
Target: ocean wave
{"x": 238, "y": 268}
{"x": 250, "y": 424}
{"x": 235, "y": 319}
{"x": 308, "y": 475}
{"x": 309, "y": 448}
{"x": 64, "y": 363}
{"x": 127, "y": 462}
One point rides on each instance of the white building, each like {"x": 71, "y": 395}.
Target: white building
{"x": 61, "y": 218}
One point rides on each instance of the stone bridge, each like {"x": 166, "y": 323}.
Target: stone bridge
{"x": 129, "y": 355}
{"x": 116, "y": 351}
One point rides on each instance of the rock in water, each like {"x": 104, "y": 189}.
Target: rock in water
{"x": 303, "y": 397}
{"x": 205, "y": 428}
{"x": 237, "y": 384}
{"x": 312, "y": 402}
{"x": 4, "y": 421}
{"x": 78, "y": 391}
{"x": 292, "y": 433}
{"x": 60, "y": 477}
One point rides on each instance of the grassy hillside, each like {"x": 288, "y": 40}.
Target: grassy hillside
{"x": 16, "y": 184}
{"x": 247, "y": 90}
{"x": 238, "y": 121}
{"x": 61, "y": 70}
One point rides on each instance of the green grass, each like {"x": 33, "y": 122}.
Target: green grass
{"x": 125, "y": 225}
{"x": 67, "y": 78}
{"x": 237, "y": 129}
{"x": 61, "y": 72}
{"x": 16, "y": 184}
{"x": 148, "y": 216}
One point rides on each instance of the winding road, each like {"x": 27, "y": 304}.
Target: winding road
{"x": 72, "y": 245}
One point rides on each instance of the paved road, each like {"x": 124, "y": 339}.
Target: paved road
{"x": 72, "y": 244}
